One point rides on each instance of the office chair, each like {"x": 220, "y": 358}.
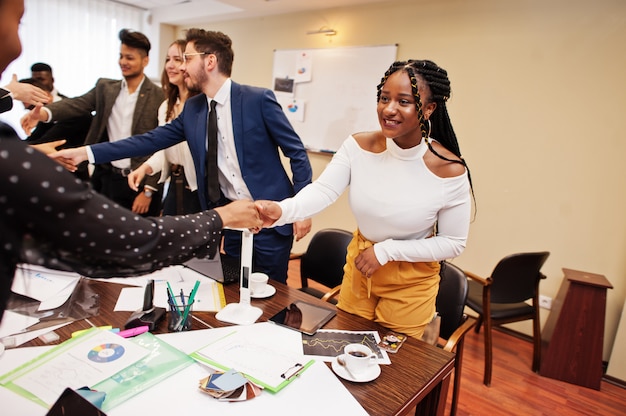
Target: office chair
{"x": 451, "y": 298}
{"x": 323, "y": 262}
{"x": 501, "y": 298}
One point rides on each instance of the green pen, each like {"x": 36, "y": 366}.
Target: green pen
{"x": 192, "y": 295}
{"x": 172, "y": 298}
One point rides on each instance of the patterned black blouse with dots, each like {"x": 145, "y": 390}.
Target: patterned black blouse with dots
{"x": 76, "y": 228}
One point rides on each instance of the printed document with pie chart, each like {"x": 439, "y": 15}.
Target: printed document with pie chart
{"x": 92, "y": 358}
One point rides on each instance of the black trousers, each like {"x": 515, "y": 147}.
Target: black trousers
{"x": 114, "y": 186}
{"x": 179, "y": 199}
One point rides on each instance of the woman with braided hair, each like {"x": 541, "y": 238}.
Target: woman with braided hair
{"x": 410, "y": 194}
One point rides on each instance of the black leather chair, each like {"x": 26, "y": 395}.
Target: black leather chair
{"x": 323, "y": 261}
{"x": 501, "y": 298}
{"x": 451, "y": 298}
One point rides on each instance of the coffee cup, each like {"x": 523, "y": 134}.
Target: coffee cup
{"x": 258, "y": 283}
{"x": 358, "y": 358}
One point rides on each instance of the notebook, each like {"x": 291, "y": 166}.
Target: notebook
{"x": 222, "y": 268}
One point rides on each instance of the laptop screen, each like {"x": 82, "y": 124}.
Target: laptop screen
{"x": 222, "y": 268}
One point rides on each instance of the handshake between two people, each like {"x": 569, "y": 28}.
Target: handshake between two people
{"x": 252, "y": 215}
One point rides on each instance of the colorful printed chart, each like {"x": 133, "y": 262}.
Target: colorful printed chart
{"x": 105, "y": 353}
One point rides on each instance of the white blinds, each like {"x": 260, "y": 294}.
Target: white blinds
{"x": 78, "y": 38}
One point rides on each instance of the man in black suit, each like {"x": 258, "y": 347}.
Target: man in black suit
{"x": 42, "y": 73}
{"x": 73, "y": 130}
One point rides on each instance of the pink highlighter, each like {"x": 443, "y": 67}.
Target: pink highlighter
{"x": 127, "y": 333}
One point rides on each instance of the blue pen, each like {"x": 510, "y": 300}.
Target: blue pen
{"x": 182, "y": 297}
{"x": 169, "y": 297}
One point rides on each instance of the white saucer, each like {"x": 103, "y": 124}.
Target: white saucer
{"x": 372, "y": 372}
{"x": 269, "y": 291}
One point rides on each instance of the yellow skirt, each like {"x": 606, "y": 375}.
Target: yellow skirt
{"x": 400, "y": 295}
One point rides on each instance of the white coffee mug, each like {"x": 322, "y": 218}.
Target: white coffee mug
{"x": 258, "y": 283}
{"x": 358, "y": 358}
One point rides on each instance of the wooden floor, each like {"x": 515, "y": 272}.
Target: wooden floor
{"x": 515, "y": 389}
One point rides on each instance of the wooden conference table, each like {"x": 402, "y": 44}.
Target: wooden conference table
{"x": 418, "y": 376}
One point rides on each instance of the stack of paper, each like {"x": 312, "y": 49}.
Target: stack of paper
{"x": 51, "y": 287}
{"x": 209, "y": 297}
{"x": 44, "y": 306}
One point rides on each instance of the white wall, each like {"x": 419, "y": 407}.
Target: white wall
{"x": 538, "y": 96}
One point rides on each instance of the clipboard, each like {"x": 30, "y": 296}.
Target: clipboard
{"x": 258, "y": 351}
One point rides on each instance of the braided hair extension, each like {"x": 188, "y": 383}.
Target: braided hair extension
{"x": 438, "y": 126}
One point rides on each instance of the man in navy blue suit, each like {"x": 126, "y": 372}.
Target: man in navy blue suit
{"x": 252, "y": 128}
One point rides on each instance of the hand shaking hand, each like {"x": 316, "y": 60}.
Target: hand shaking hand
{"x": 27, "y": 93}
{"x": 70, "y": 158}
{"x": 29, "y": 120}
{"x": 269, "y": 211}
{"x": 240, "y": 214}
{"x": 49, "y": 147}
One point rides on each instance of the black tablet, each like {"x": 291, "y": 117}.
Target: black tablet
{"x": 70, "y": 403}
{"x": 304, "y": 317}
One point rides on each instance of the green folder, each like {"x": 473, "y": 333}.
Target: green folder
{"x": 162, "y": 361}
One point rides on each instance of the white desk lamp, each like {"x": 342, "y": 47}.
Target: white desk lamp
{"x": 242, "y": 313}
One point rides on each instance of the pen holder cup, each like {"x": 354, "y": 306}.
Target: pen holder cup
{"x": 179, "y": 316}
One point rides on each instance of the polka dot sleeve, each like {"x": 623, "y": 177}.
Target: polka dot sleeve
{"x": 78, "y": 227}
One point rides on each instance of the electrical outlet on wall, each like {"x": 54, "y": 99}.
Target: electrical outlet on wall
{"x": 545, "y": 302}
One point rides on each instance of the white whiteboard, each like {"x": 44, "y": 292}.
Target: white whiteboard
{"x": 339, "y": 99}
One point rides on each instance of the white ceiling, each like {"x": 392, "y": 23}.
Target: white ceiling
{"x": 184, "y": 12}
